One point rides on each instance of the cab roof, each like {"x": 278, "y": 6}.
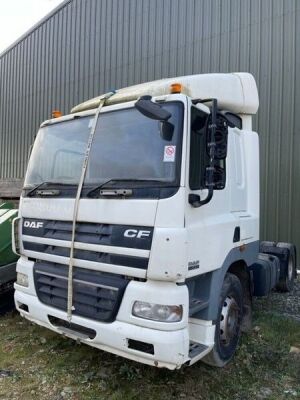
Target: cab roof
{"x": 235, "y": 92}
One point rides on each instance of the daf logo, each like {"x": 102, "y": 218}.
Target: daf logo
{"x": 133, "y": 233}
{"x": 33, "y": 224}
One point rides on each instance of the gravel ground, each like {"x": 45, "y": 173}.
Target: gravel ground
{"x": 37, "y": 364}
{"x": 287, "y": 304}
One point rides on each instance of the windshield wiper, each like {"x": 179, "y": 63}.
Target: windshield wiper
{"x": 47, "y": 192}
{"x": 118, "y": 192}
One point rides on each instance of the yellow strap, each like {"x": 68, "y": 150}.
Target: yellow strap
{"x": 70, "y": 306}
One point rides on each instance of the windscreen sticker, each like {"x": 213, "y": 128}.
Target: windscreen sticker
{"x": 169, "y": 153}
{"x": 91, "y": 122}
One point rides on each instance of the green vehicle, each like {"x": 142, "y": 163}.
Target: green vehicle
{"x": 7, "y": 258}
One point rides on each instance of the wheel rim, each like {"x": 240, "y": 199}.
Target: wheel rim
{"x": 290, "y": 269}
{"x": 229, "y": 320}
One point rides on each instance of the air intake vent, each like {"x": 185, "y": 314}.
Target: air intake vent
{"x": 96, "y": 295}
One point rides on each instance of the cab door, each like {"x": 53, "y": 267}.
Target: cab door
{"x": 210, "y": 227}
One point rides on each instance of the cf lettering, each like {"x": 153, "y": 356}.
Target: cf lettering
{"x": 133, "y": 233}
{"x": 142, "y": 234}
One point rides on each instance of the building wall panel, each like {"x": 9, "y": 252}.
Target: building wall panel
{"x": 86, "y": 47}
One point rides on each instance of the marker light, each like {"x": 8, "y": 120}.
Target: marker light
{"x": 56, "y": 114}
{"x": 157, "y": 312}
{"x": 176, "y": 88}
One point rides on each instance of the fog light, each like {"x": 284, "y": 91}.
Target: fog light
{"x": 22, "y": 279}
{"x": 157, "y": 312}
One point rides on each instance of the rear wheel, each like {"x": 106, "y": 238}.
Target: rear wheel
{"x": 228, "y": 326}
{"x": 286, "y": 283}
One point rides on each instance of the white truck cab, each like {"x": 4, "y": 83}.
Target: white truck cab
{"x": 138, "y": 226}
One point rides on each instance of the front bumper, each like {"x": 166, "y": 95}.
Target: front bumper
{"x": 170, "y": 341}
{"x": 170, "y": 348}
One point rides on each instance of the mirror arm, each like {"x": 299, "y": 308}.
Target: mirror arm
{"x": 195, "y": 200}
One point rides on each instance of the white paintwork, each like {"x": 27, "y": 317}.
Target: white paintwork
{"x": 169, "y": 260}
{"x": 210, "y": 228}
{"x": 182, "y": 234}
{"x": 93, "y": 210}
{"x": 202, "y": 331}
{"x": 171, "y": 346}
{"x": 166, "y": 293}
{"x": 236, "y": 92}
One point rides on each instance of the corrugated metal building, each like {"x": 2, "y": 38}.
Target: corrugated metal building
{"x": 86, "y": 47}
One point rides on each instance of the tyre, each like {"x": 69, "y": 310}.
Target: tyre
{"x": 286, "y": 283}
{"x": 228, "y": 325}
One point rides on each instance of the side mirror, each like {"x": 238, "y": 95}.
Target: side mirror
{"x": 221, "y": 138}
{"x": 166, "y": 130}
{"x": 233, "y": 120}
{"x": 219, "y": 177}
{"x": 151, "y": 110}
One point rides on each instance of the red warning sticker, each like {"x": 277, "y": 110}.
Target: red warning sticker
{"x": 169, "y": 153}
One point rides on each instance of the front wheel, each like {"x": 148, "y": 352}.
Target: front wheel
{"x": 228, "y": 325}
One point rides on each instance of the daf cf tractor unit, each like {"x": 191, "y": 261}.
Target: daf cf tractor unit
{"x": 138, "y": 225}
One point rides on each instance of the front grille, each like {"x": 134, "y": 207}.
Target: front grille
{"x": 96, "y": 295}
{"x": 87, "y": 232}
{"x": 62, "y": 230}
{"x": 105, "y": 258}
{"x": 56, "y": 237}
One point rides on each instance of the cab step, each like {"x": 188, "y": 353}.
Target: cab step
{"x": 196, "y": 349}
{"x": 196, "y": 305}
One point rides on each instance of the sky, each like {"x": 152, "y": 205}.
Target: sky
{"x": 18, "y": 16}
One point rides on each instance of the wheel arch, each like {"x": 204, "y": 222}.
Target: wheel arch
{"x": 237, "y": 263}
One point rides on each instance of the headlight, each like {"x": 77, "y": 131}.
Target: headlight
{"x": 22, "y": 279}
{"x": 157, "y": 312}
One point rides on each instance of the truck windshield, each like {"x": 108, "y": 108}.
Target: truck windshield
{"x": 127, "y": 145}
{"x": 58, "y": 152}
